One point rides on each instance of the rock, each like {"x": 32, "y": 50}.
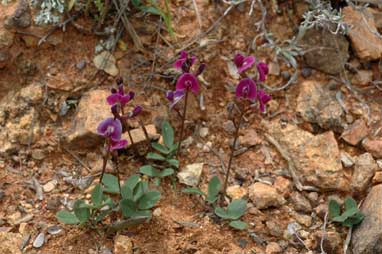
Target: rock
{"x": 283, "y": 186}
{"x": 81, "y": 65}
{"x": 250, "y": 138}
{"x": 274, "y": 228}
{"x": 49, "y": 186}
{"x": 306, "y": 72}
{"x": 21, "y": 18}
{"x": 123, "y": 245}
{"x": 366, "y": 44}
{"x": 377, "y": 178}
{"x": 373, "y": 146}
{"x": 203, "y": 132}
{"x": 346, "y": 159}
{"x": 332, "y": 241}
{"x": 92, "y": 109}
{"x": 331, "y": 53}
{"x": 39, "y": 241}
{"x": 303, "y": 219}
{"x": 316, "y": 104}
{"x": 6, "y": 38}
{"x": 356, "y": 132}
{"x": 157, "y": 212}
{"x": 316, "y": 158}
{"x": 273, "y": 248}
{"x": 38, "y": 154}
{"x": 190, "y": 174}
{"x": 33, "y": 93}
{"x": 367, "y": 237}
{"x": 138, "y": 135}
{"x": 106, "y": 62}
{"x": 300, "y": 203}
{"x": 229, "y": 126}
{"x": 55, "y": 230}
{"x": 10, "y": 242}
{"x": 274, "y": 68}
{"x": 364, "y": 170}
{"x": 362, "y": 78}
{"x": 236, "y": 191}
{"x": 265, "y": 196}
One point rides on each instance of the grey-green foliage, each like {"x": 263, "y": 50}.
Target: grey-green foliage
{"x": 164, "y": 162}
{"x": 232, "y": 212}
{"x": 351, "y": 215}
{"x": 50, "y": 11}
{"x": 135, "y": 203}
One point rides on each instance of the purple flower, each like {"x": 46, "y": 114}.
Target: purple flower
{"x": 118, "y": 96}
{"x": 246, "y": 89}
{"x": 188, "y": 81}
{"x": 263, "y": 99}
{"x": 243, "y": 63}
{"x": 110, "y": 128}
{"x": 135, "y": 112}
{"x": 184, "y": 59}
{"x": 175, "y": 97}
{"x": 116, "y": 145}
{"x": 262, "y": 69}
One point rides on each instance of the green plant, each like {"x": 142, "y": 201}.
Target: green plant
{"x": 164, "y": 161}
{"x": 350, "y": 217}
{"x": 232, "y": 212}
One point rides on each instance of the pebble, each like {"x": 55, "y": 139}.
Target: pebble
{"x": 123, "y": 245}
{"x": 346, "y": 159}
{"x": 300, "y": 203}
{"x": 157, "y": 212}
{"x": 38, "y": 154}
{"x": 49, "y": 186}
{"x": 229, "y": 126}
{"x": 306, "y": 72}
{"x": 39, "y": 241}
{"x": 236, "y": 191}
{"x": 203, "y": 132}
{"x": 273, "y": 248}
{"x": 190, "y": 174}
{"x": 81, "y": 64}
{"x": 207, "y": 147}
{"x": 54, "y": 230}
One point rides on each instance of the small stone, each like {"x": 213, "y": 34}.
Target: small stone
{"x": 190, "y": 174}
{"x": 157, "y": 212}
{"x": 377, "y": 178}
{"x": 138, "y": 134}
{"x": 265, "y": 196}
{"x": 363, "y": 78}
{"x": 54, "y": 230}
{"x": 313, "y": 197}
{"x": 366, "y": 238}
{"x": 274, "y": 68}
{"x": 273, "y": 106}
{"x": 203, "y": 132}
{"x": 373, "y": 146}
{"x": 21, "y": 17}
{"x": 6, "y": 38}
{"x": 321, "y": 210}
{"x": 38, "y": 154}
{"x": 332, "y": 241}
{"x": 283, "y": 185}
{"x": 32, "y": 93}
{"x": 10, "y": 242}
{"x": 187, "y": 142}
{"x": 81, "y": 64}
{"x": 300, "y": 203}
{"x": 49, "y": 186}
{"x": 123, "y": 245}
{"x": 53, "y": 204}
{"x": 39, "y": 241}
{"x": 346, "y": 159}
{"x": 207, "y": 147}
{"x": 236, "y": 191}
{"x": 106, "y": 62}
{"x": 273, "y": 248}
{"x": 303, "y": 219}
{"x": 356, "y": 132}
{"x": 364, "y": 170}
{"x": 274, "y": 228}
{"x": 250, "y": 138}
{"x": 306, "y": 72}
{"x": 229, "y": 126}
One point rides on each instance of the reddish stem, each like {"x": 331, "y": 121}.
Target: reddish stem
{"x": 183, "y": 120}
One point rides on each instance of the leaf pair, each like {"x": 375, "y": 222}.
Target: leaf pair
{"x": 214, "y": 187}
{"x": 350, "y": 217}
{"x": 233, "y": 212}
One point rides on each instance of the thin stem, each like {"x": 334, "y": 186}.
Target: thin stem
{"x": 117, "y": 169}
{"x": 183, "y": 120}
{"x": 236, "y": 136}
{"x": 105, "y": 158}
{"x": 126, "y": 125}
{"x": 146, "y": 133}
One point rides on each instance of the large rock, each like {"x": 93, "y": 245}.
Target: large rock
{"x": 362, "y": 32}
{"x": 265, "y": 196}
{"x": 316, "y": 158}
{"x": 316, "y": 104}
{"x": 367, "y": 237}
{"x": 373, "y": 146}
{"x": 21, "y": 18}
{"x": 10, "y": 243}
{"x": 329, "y": 52}
{"x": 364, "y": 170}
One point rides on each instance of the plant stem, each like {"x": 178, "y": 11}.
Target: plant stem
{"x": 146, "y": 134}
{"x": 105, "y": 158}
{"x": 233, "y": 148}
{"x": 117, "y": 169}
{"x": 183, "y": 120}
{"x": 126, "y": 125}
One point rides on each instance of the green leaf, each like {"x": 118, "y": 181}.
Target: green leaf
{"x": 221, "y": 213}
{"x": 148, "y": 200}
{"x": 166, "y": 172}
{"x": 194, "y": 190}
{"x": 111, "y": 183}
{"x": 238, "y": 224}
{"x": 141, "y": 189}
{"x": 167, "y": 133}
{"x": 173, "y": 162}
{"x": 213, "y": 189}
{"x": 155, "y": 156}
{"x": 236, "y": 208}
{"x": 334, "y": 209}
{"x": 345, "y": 215}
{"x": 67, "y": 217}
{"x": 350, "y": 203}
{"x": 160, "y": 148}
{"x": 149, "y": 171}
{"x": 142, "y": 214}
{"x": 128, "y": 187}
{"x": 136, "y": 3}
{"x": 97, "y": 195}
{"x": 354, "y": 220}
{"x": 128, "y": 207}
{"x": 81, "y": 211}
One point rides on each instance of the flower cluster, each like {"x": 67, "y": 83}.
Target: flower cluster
{"x": 112, "y": 128}
{"x": 187, "y": 81}
{"x": 247, "y": 87}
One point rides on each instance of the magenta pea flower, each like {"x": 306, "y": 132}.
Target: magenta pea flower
{"x": 263, "y": 98}
{"x": 188, "y": 81}
{"x": 175, "y": 96}
{"x": 243, "y": 63}
{"x": 184, "y": 59}
{"x": 246, "y": 89}
{"x": 262, "y": 69}
{"x": 137, "y": 109}
{"x": 119, "y": 96}
{"x": 111, "y": 129}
